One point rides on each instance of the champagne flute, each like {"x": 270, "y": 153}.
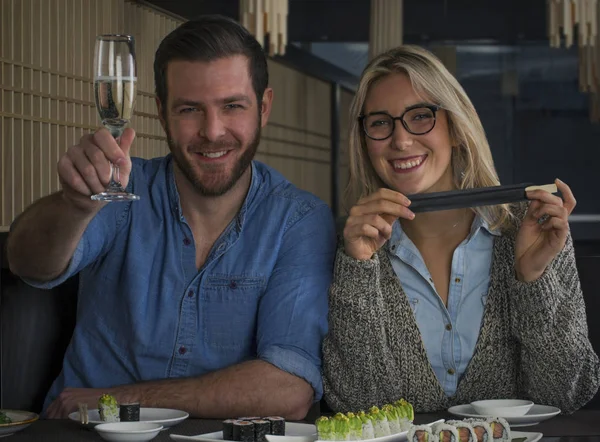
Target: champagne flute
{"x": 115, "y": 80}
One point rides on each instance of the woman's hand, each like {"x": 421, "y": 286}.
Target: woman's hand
{"x": 369, "y": 224}
{"x": 539, "y": 241}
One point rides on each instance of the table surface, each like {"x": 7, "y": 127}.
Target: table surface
{"x": 582, "y": 426}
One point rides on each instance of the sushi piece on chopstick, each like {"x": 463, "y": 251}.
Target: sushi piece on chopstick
{"x": 481, "y": 196}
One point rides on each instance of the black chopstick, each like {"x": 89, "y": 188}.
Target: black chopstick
{"x": 481, "y": 196}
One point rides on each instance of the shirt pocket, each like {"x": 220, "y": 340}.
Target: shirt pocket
{"x": 228, "y": 312}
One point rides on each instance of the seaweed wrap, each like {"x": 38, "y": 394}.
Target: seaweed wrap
{"x": 262, "y": 427}
{"x": 243, "y": 431}
{"x": 277, "y": 425}
{"x": 129, "y": 412}
{"x": 228, "y": 429}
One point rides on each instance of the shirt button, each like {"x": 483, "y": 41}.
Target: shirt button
{"x": 182, "y": 350}
{"x": 191, "y": 294}
{"x": 221, "y": 246}
{"x": 233, "y": 284}
{"x": 457, "y": 280}
{"x": 186, "y": 242}
{"x": 448, "y": 327}
{"x": 450, "y": 371}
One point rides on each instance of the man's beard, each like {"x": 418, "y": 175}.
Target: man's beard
{"x": 220, "y": 186}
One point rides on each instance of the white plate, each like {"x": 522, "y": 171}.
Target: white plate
{"x": 294, "y": 432}
{"x": 537, "y": 414}
{"x": 128, "y": 431}
{"x": 20, "y": 421}
{"x": 530, "y": 437}
{"x": 163, "y": 416}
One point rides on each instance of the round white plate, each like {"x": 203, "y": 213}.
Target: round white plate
{"x": 129, "y": 431}
{"x": 20, "y": 421}
{"x": 537, "y": 414}
{"x": 162, "y": 416}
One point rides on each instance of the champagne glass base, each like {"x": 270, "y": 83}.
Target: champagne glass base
{"x": 115, "y": 195}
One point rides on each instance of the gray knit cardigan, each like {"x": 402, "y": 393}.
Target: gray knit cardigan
{"x": 533, "y": 341}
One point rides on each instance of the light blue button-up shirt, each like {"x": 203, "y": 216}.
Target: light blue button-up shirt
{"x": 145, "y": 312}
{"x": 449, "y": 334}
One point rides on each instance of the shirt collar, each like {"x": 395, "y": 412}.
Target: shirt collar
{"x": 255, "y": 182}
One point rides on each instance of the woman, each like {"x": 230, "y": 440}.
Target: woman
{"x": 444, "y": 308}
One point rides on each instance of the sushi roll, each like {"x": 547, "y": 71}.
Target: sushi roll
{"x": 277, "y": 425}
{"x": 129, "y": 412}
{"x": 465, "y": 431}
{"x": 248, "y": 418}
{"x": 482, "y": 429}
{"x": 421, "y": 433}
{"x": 108, "y": 408}
{"x": 228, "y": 429}
{"x": 324, "y": 428}
{"x": 368, "y": 432}
{"x": 406, "y": 414}
{"x": 391, "y": 413}
{"x": 243, "y": 431}
{"x": 262, "y": 427}
{"x": 445, "y": 432}
{"x": 355, "y": 425}
{"x": 500, "y": 429}
{"x": 341, "y": 427}
{"x": 381, "y": 426}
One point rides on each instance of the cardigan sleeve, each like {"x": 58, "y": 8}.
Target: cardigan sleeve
{"x": 558, "y": 364}
{"x": 356, "y": 336}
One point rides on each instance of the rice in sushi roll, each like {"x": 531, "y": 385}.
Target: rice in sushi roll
{"x": 482, "y": 429}
{"x": 381, "y": 426}
{"x": 368, "y": 432}
{"x": 355, "y": 425}
{"x": 445, "y": 432}
{"x": 108, "y": 408}
{"x": 421, "y": 433}
{"x": 391, "y": 413}
{"x": 465, "y": 430}
{"x": 500, "y": 429}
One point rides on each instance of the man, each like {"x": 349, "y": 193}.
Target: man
{"x": 210, "y": 293}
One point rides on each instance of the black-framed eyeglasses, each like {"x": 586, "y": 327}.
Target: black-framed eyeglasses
{"x": 417, "y": 120}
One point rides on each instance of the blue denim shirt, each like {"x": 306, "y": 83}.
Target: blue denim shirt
{"x": 145, "y": 312}
{"x": 449, "y": 334}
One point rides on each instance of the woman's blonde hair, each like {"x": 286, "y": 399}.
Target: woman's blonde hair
{"x": 472, "y": 162}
